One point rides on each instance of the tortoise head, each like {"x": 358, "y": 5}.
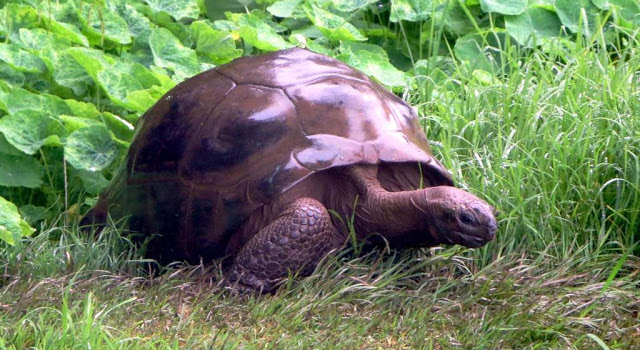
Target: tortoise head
{"x": 421, "y": 217}
{"x": 458, "y": 217}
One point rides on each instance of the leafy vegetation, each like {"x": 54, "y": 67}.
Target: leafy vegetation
{"x": 535, "y": 105}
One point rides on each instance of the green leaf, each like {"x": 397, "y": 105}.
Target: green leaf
{"x": 28, "y": 130}
{"x": 12, "y": 227}
{"x": 483, "y": 51}
{"x": 571, "y": 15}
{"x": 19, "y": 16}
{"x": 179, "y": 10}
{"x": 376, "y": 30}
{"x": 218, "y": 45}
{"x": 38, "y": 83}
{"x": 628, "y": 9}
{"x": 532, "y": 25}
{"x": 225, "y": 25}
{"x": 69, "y": 73}
{"x": 19, "y": 99}
{"x": 373, "y": 61}
{"x": 77, "y": 68}
{"x": 140, "y": 50}
{"x": 62, "y": 12}
{"x": 163, "y": 76}
{"x": 46, "y": 45}
{"x": 169, "y": 53}
{"x": 33, "y": 214}
{"x": 72, "y": 123}
{"x": 91, "y": 60}
{"x": 411, "y": 10}
{"x": 333, "y": 27}
{"x": 118, "y": 84}
{"x": 107, "y": 24}
{"x": 437, "y": 69}
{"x": 283, "y": 8}
{"x": 178, "y": 29}
{"x": 484, "y": 78}
{"x": 136, "y": 21}
{"x": 63, "y": 19}
{"x": 142, "y": 100}
{"x": 139, "y": 72}
{"x": 37, "y": 39}
{"x": 20, "y": 170}
{"x": 91, "y": 148}
{"x": 351, "y": 5}
{"x": 7, "y": 148}
{"x": 70, "y": 32}
{"x": 122, "y": 129}
{"x": 216, "y": 9}
{"x": 260, "y": 34}
{"x": 11, "y": 76}
{"x": 458, "y": 22}
{"x": 309, "y": 31}
{"x": 505, "y": 7}
{"x": 82, "y": 109}
{"x": 302, "y": 41}
{"x": 93, "y": 181}
{"x": 21, "y": 60}
{"x": 16, "y": 16}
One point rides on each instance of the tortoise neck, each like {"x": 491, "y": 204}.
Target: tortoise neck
{"x": 393, "y": 215}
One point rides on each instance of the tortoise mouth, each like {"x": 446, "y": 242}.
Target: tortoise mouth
{"x": 470, "y": 240}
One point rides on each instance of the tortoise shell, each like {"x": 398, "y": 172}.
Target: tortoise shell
{"x": 229, "y": 140}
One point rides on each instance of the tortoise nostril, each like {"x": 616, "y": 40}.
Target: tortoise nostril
{"x": 492, "y": 228}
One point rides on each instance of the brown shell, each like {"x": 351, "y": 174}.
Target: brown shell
{"x": 229, "y": 140}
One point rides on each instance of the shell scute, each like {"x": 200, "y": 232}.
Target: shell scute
{"x": 342, "y": 107}
{"x": 165, "y": 130}
{"x": 232, "y": 144}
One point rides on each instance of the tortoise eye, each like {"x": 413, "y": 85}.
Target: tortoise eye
{"x": 467, "y": 218}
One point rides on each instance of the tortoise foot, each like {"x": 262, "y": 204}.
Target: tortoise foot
{"x": 294, "y": 243}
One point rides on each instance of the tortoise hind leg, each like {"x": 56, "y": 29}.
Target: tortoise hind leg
{"x": 295, "y": 241}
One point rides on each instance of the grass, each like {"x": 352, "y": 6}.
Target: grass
{"x": 429, "y": 299}
{"x": 555, "y": 147}
{"x": 553, "y": 144}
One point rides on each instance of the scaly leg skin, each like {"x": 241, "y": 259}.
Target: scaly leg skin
{"x": 294, "y": 242}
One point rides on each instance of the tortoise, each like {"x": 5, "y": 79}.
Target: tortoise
{"x": 246, "y": 160}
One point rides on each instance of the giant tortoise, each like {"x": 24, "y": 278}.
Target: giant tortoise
{"x": 247, "y": 160}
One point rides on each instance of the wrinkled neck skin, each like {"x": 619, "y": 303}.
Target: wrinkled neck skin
{"x": 404, "y": 218}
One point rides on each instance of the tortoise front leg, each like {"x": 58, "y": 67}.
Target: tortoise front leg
{"x": 294, "y": 242}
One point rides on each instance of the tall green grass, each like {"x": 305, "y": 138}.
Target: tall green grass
{"x": 553, "y": 144}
